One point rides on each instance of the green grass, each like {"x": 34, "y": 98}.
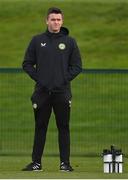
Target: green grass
{"x": 85, "y": 168}
{"x": 100, "y": 28}
{"x": 98, "y": 117}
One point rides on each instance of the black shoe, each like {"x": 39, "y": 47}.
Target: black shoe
{"x": 33, "y": 167}
{"x": 65, "y": 167}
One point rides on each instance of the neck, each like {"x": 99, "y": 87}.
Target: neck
{"x": 52, "y": 31}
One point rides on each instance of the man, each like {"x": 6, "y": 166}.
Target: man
{"x": 52, "y": 59}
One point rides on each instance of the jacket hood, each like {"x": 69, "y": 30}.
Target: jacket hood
{"x": 63, "y": 31}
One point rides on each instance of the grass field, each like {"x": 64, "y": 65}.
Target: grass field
{"x": 100, "y": 28}
{"x": 99, "y": 119}
{"x": 99, "y": 114}
{"x": 85, "y": 168}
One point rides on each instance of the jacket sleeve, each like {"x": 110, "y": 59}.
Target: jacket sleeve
{"x": 75, "y": 63}
{"x": 29, "y": 62}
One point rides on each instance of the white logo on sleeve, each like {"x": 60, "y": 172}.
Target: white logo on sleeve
{"x": 43, "y": 44}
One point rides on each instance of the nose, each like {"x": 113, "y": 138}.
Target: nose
{"x": 56, "y": 21}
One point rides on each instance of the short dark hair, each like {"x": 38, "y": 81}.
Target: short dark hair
{"x": 54, "y": 10}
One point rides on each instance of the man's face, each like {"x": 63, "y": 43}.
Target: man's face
{"x": 54, "y": 22}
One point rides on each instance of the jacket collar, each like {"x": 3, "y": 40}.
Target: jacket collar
{"x": 63, "y": 32}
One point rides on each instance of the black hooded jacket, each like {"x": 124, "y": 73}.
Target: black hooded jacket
{"x": 52, "y": 60}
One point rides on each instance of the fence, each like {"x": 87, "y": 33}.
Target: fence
{"x": 98, "y": 117}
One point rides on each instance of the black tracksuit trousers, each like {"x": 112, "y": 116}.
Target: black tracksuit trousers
{"x": 60, "y": 104}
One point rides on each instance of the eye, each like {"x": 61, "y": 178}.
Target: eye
{"x": 55, "y": 19}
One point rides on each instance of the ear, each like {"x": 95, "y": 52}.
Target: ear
{"x": 46, "y": 21}
{"x": 62, "y": 20}
{"x": 62, "y": 23}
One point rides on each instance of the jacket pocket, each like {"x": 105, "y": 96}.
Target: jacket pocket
{"x": 68, "y": 95}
